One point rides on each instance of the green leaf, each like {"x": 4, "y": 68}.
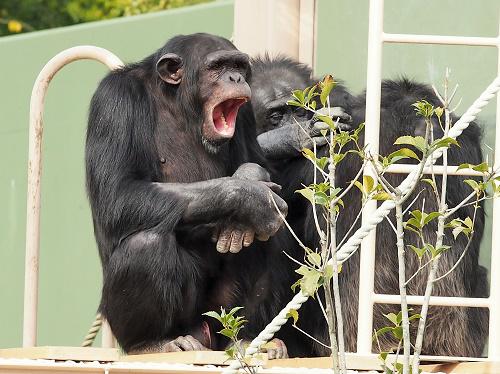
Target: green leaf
{"x": 314, "y": 258}
{"x": 309, "y": 283}
{"x": 398, "y": 332}
{"x": 431, "y": 216}
{"x": 482, "y": 167}
{"x": 419, "y": 251}
{"x": 472, "y": 184}
{"x": 468, "y": 222}
{"x": 326, "y": 87}
{"x": 414, "y": 316}
{"x": 392, "y": 317}
{"x": 399, "y": 317}
{"x": 294, "y": 103}
{"x": 382, "y": 331}
{"x": 321, "y": 198}
{"x": 398, "y": 366}
{"x": 464, "y": 166}
{"x": 303, "y": 270}
{"x": 299, "y": 95}
{"x": 231, "y": 352}
{"x": 328, "y": 272}
{"x": 381, "y": 196}
{"x": 444, "y": 142}
{"x": 307, "y": 193}
{"x": 322, "y": 162}
{"x": 234, "y": 310}
{"x": 328, "y": 120}
{"x": 383, "y": 356}
{"x": 227, "y": 332}
{"x": 213, "y": 315}
{"x": 402, "y": 154}
{"x": 416, "y": 141}
{"x": 368, "y": 184}
{"x": 424, "y": 108}
{"x": 292, "y": 313}
{"x": 457, "y": 230}
{"x": 336, "y": 158}
{"x": 309, "y": 154}
{"x": 360, "y": 186}
{"x": 429, "y": 181}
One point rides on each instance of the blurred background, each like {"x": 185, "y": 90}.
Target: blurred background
{"x": 331, "y": 35}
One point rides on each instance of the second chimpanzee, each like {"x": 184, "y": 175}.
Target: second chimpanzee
{"x": 451, "y": 331}
{"x": 168, "y": 165}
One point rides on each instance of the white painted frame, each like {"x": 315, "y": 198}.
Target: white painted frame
{"x": 367, "y": 297}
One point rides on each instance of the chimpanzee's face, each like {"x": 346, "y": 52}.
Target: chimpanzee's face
{"x": 223, "y": 89}
{"x": 270, "y": 94}
{"x": 212, "y": 79}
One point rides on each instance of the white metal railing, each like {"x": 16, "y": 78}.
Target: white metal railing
{"x": 367, "y": 297}
{"x": 31, "y": 267}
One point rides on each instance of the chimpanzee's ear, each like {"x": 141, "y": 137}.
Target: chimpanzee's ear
{"x": 169, "y": 68}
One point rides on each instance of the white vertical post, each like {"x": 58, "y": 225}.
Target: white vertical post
{"x": 267, "y": 26}
{"x": 372, "y": 120}
{"x": 494, "y": 329}
{"x": 308, "y": 32}
{"x": 35, "y": 171}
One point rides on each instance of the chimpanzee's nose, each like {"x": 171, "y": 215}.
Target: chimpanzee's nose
{"x": 235, "y": 77}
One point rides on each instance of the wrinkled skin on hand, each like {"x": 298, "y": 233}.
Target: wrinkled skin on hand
{"x": 232, "y": 238}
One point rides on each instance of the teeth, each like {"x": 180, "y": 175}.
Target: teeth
{"x": 224, "y": 121}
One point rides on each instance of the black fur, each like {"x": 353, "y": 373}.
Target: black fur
{"x": 450, "y": 331}
{"x": 156, "y": 194}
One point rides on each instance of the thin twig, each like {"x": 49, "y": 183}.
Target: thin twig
{"x": 288, "y": 225}
{"x": 310, "y": 336}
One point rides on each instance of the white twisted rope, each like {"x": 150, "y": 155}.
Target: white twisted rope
{"x": 354, "y": 241}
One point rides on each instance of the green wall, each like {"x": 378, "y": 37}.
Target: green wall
{"x": 70, "y": 275}
{"x": 342, "y": 51}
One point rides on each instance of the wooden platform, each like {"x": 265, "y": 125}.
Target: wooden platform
{"x": 105, "y": 360}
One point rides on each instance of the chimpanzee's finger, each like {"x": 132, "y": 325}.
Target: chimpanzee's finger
{"x": 215, "y": 234}
{"x": 344, "y": 126}
{"x": 273, "y": 186}
{"x": 196, "y": 344}
{"x": 262, "y": 237}
{"x": 224, "y": 241}
{"x": 172, "y": 347}
{"x": 319, "y": 140}
{"x": 236, "y": 241}
{"x": 336, "y": 112}
{"x": 248, "y": 237}
{"x": 318, "y": 127}
{"x": 281, "y": 350}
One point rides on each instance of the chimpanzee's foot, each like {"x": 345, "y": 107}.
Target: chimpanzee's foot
{"x": 184, "y": 343}
{"x": 277, "y": 350}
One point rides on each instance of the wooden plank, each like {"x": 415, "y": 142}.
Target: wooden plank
{"x": 63, "y": 353}
{"x": 464, "y": 368}
{"x": 218, "y": 358}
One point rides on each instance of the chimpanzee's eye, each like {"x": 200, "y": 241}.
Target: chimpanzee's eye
{"x": 300, "y": 113}
{"x": 275, "y": 117}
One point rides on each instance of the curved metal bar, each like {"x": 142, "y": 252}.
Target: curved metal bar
{"x": 35, "y": 170}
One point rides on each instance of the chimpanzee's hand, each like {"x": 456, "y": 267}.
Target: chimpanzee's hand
{"x": 258, "y": 217}
{"x": 288, "y": 140}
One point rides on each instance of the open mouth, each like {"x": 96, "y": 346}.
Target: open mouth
{"x": 224, "y": 115}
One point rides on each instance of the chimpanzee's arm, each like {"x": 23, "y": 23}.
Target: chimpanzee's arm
{"x": 288, "y": 140}
{"x": 123, "y": 173}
